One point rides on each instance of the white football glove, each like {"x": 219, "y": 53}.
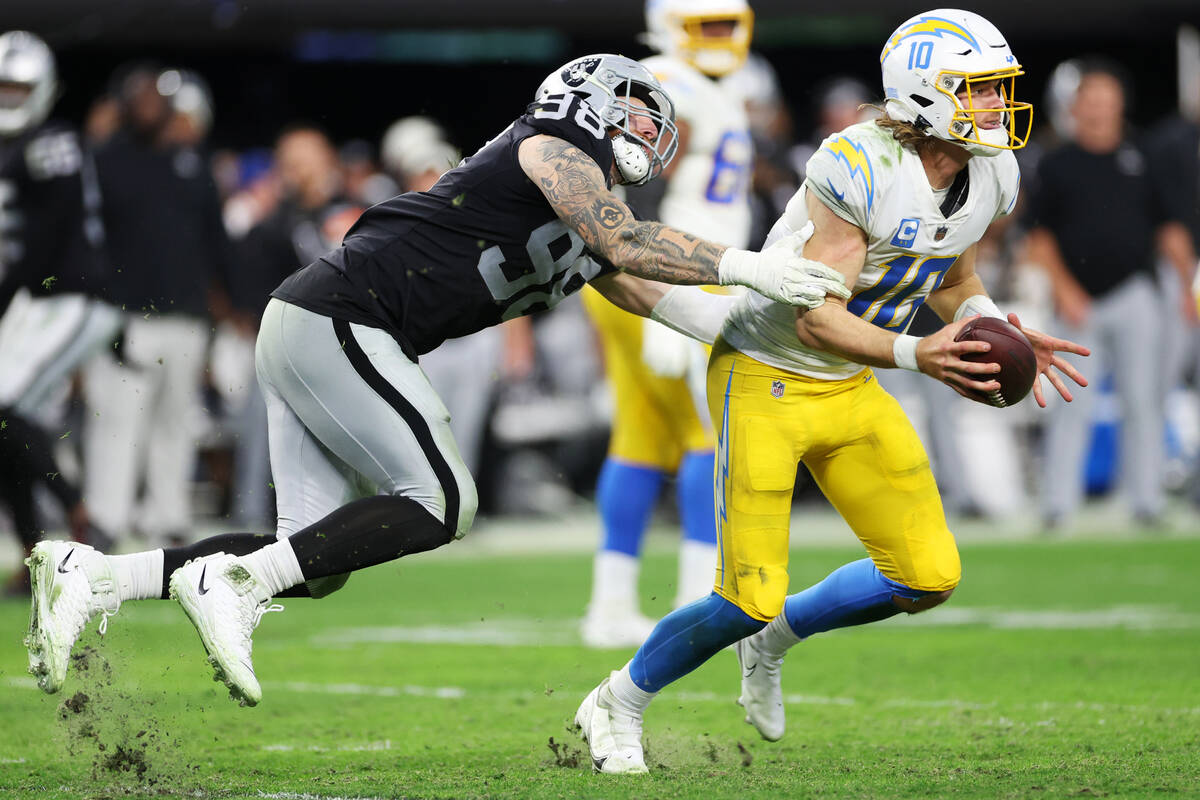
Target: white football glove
{"x": 782, "y": 274}
{"x": 664, "y": 352}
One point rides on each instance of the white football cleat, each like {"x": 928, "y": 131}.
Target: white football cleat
{"x": 614, "y": 737}
{"x": 217, "y": 593}
{"x": 762, "y": 690}
{"x": 70, "y": 584}
{"x": 608, "y": 630}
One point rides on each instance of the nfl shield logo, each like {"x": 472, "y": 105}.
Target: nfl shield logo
{"x": 777, "y": 388}
{"x": 940, "y": 233}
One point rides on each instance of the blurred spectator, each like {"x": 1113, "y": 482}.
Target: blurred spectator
{"x": 841, "y": 102}
{"x": 51, "y": 280}
{"x": 1175, "y": 162}
{"x": 169, "y": 253}
{"x": 1095, "y": 216}
{"x": 311, "y": 218}
{"x": 365, "y": 183}
{"x": 773, "y": 181}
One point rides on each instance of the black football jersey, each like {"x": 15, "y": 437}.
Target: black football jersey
{"x": 50, "y": 229}
{"x": 482, "y": 246}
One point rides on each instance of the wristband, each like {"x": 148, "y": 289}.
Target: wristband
{"x": 904, "y": 351}
{"x": 978, "y": 304}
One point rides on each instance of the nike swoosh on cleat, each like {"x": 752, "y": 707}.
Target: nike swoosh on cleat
{"x": 66, "y": 558}
{"x": 598, "y": 763}
{"x": 750, "y": 670}
{"x": 203, "y": 588}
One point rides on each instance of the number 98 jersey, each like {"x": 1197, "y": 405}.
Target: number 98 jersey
{"x": 482, "y": 246}
{"x": 865, "y": 177}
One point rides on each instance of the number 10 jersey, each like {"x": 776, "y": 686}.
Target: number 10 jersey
{"x": 482, "y": 246}
{"x": 865, "y": 177}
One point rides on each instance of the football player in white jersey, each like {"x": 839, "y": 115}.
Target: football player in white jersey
{"x": 897, "y": 206}
{"x": 659, "y": 427}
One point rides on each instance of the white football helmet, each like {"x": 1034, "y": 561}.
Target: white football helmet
{"x": 28, "y": 83}
{"x": 676, "y": 28}
{"x": 935, "y": 55}
{"x": 607, "y": 83}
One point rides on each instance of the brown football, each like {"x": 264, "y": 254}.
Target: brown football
{"x": 1011, "y": 350}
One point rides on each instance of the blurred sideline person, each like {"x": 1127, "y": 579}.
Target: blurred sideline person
{"x": 169, "y": 249}
{"x": 365, "y": 467}
{"x": 1174, "y": 150}
{"x": 466, "y": 371}
{"x": 897, "y": 206}
{"x": 658, "y": 428}
{"x": 52, "y": 277}
{"x": 311, "y": 218}
{"x": 1096, "y": 213}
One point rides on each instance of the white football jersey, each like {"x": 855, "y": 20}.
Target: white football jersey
{"x": 707, "y": 194}
{"x": 869, "y": 180}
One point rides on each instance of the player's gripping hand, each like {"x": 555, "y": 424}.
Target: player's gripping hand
{"x": 781, "y": 273}
{"x": 941, "y": 357}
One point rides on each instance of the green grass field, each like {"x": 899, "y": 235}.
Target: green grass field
{"x": 1059, "y": 669}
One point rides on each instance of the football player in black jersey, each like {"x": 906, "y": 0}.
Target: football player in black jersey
{"x": 512, "y": 230}
{"x": 50, "y": 271}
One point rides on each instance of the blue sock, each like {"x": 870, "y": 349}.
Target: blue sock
{"x": 625, "y": 496}
{"x": 686, "y": 638}
{"x": 854, "y": 594}
{"x": 694, "y": 492}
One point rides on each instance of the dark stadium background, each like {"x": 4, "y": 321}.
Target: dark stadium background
{"x": 353, "y": 66}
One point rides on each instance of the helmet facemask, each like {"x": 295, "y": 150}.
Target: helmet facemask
{"x": 640, "y": 160}
{"x": 1016, "y": 118}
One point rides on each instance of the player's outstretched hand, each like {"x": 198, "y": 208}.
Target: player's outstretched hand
{"x": 939, "y": 356}
{"x": 782, "y": 274}
{"x": 1046, "y": 348}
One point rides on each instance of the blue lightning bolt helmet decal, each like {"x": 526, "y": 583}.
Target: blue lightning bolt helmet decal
{"x": 857, "y": 163}
{"x": 930, "y": 26}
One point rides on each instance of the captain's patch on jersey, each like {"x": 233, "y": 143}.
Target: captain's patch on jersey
{"x": 906, "y": 233}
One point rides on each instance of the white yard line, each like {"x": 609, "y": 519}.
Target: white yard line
{"x": 519, "y": 632}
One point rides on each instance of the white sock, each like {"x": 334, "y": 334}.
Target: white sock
{"x": 275, "y": 567}
{"x": 614, "y": 584}
{"x": 624, "y": 694}
{"x": 776, "y": 638}
{"x": 138, "y": 576}
{"x": 697, "y": 571}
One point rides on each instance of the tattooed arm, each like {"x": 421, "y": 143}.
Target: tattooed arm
{"x": 576, "y": 190}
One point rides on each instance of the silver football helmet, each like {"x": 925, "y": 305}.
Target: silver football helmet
{"x": 608, "y": 83}
{"x": 28, "y": 82}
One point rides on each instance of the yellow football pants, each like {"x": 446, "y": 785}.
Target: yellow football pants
{"x": 861, "y": 449}
{"x": 655, "y": 419}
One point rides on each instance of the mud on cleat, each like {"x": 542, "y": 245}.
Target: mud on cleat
{"x": 223, "y": 600}
{"x": 614, "y": 737}
{"x": 70, "y": 583}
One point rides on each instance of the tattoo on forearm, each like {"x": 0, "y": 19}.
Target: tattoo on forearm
{"x": 576, "y": 189}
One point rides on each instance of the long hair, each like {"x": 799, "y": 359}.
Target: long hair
{"x": 907, "y": 134}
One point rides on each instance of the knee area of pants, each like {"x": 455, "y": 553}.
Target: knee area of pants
{"x": 768, "y": 605}
{"x": 923, "y": 603}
